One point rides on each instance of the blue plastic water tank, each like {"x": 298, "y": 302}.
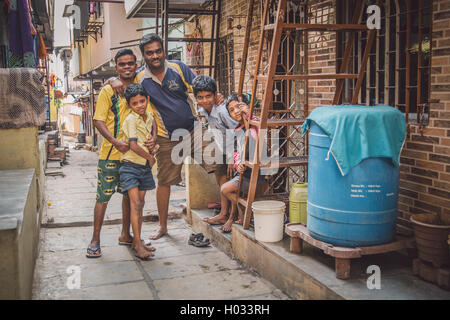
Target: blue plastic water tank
{"x": 358, "y": 209}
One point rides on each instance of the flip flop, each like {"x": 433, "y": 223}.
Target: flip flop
{"x": 144, "y": 259}
{"x": 126, "y": 243}
{"x": 91, "y": 253}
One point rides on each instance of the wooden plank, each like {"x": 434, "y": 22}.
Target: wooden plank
{"x": 408, "y": 59}
{"x": 266, "y": 102}
{"x": 387, "y": 36}
{"x": 283, "y": 162}
{"x": 362, "y": 70}
{"x": 319, "y": 27}
{"x": 419, "y": 56}
{"x": 342, "y": 268}
{"x": 300, "y": 231}
{"x": 348, "y": 49}
{"x": 318, "y": 76}
{"x": 218, "y": 9}
{"x": 296, "y": 245}
{"x": 246, "y": 43}
{"x": 273, "y": 123}
{"x": 397, "y": 51}
{"x": 211, "y": 46}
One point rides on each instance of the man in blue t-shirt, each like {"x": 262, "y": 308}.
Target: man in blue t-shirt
{"x": 168, "y": 84}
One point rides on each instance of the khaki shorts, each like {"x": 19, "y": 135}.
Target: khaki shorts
{"x": 169, "y": 173}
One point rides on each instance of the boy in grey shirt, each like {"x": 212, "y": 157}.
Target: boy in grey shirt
{"x": 218, "y": 120}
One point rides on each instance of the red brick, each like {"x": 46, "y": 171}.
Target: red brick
{"x": 435, "y": 200}
{"x": 414, "y": 154}
{"x": 425, "y": 139}
{"x": 412, "y": 186}
{"x": 429, "y": 165}
{"x": 427, "y": 206}
{"x": 419, "y": 146}
{"x": 405, "y": 200}
{"x": 445, "y": 142}
{"x": 415, "y": 210}
{"x": 444, "y": 176}
{"x": 439, "y": 158}
{"x": 434, "y": 132}
{"x": 442, "y": 150}
{"x": 419, "y": 179}
{"x": 408, "y": 193}
{"x": 425, "y": 173}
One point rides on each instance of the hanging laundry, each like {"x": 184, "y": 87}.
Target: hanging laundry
{"x": 21, "y": 31}
{"x": 92, "y": 7}
{"x": 42, "y": 50}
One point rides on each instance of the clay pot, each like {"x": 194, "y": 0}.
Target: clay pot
{"x": 432, "y": 238}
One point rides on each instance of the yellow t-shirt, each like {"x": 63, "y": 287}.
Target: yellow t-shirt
{"x": 112, "y": 110}
{"x": 135, "y": 128}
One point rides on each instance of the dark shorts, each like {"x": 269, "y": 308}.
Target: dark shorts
{"x": 245, "y": 185}
{"x": 134, "y": 175}
{"x": 108, "y": 180}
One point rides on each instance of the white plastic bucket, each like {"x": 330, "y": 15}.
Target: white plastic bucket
{"x": 269, "y": 220}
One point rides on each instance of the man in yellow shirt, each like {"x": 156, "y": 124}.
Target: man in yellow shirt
{"x": 110, "y": 112}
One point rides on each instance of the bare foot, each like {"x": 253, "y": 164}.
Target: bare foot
{"x": 146, "y": 247}
{"x": 126, "y": 238}
{"x": 238, "y": 221}
{"x": 216, "y": 219}
{"x": 161, "y": 232}
{"x": 227, "y": 226}
{"x": 143, "y": 254}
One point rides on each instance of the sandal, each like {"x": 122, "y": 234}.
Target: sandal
{"x": 197, "y": 240}
{"x": 92, "y": 253}
{"x": 126, "y": 243}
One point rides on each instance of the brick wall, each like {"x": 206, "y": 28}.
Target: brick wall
{"x": 236, "y": 9}
{"x": 321, "y": 54}
{"x": 425, "y": 159}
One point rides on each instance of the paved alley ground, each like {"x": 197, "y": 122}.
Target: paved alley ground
{"x": 178, "y": 270}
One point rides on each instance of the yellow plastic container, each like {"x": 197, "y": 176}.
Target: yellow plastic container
{"x": 297, "y": 202}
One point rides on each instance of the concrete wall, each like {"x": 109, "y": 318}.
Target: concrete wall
{"x": 21, "y": 149}
{"x": 201, "y": 187}
{"x": 19, "y": 232}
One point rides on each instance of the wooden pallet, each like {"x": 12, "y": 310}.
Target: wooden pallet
{"x": 428, "y": 272}
{"x": 299, "y": 233}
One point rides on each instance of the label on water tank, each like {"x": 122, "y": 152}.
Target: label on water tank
{"x": 364, "y": 191}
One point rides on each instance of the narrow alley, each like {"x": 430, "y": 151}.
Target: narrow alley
{"x": 178, "y": 270}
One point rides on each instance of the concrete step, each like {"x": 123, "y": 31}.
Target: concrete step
{"x": 311, "y": 275}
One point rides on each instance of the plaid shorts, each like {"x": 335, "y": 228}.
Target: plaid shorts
{"x": 108, "y": 180}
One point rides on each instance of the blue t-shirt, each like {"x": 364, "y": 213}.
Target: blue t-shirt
{"x": 173, "y": 106}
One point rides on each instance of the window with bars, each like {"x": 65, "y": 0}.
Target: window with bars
{"x": 225, "y": 70}
{"x": 398, "y": 71}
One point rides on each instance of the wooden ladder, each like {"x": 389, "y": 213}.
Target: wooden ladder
{"x": 268, "y": 78}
